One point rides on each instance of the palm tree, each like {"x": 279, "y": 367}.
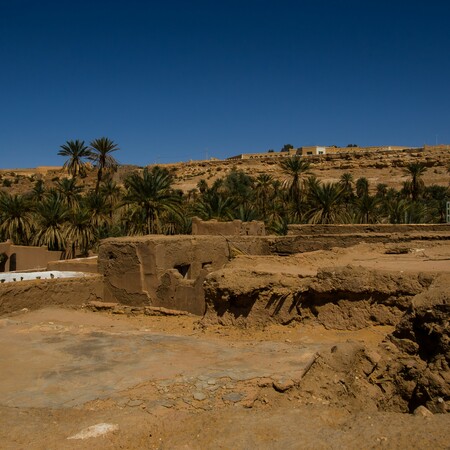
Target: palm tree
{"x": 50, "y": 222}
{"x": 397, "y": 209}
{"x": 15, "y": 218}
{"x": 263, "y": 189}
{"x": 382, "y": 190}
{"x": 238, "y": 185}
{"x": 202, "y": 186}
{"x": 246, "y": 213}
{"x": 101, "y": 150}
{"x": 362, "y": 187}
{"x": 417, "y": 212}
{"x": 213, "y": 205}
{"x": 150, "y": 194}
{"x": 346, "y": 181}
{"x": 38, "y": 192}
{"x": 436, "y": 197}
{"x": 69, "y": 190}
{"x": 112, "y": 193}
{"x": 367, "y": 209}
{"x": 133, "y": 221}
{"x": 177, "y": 223}
{"x": 327, "y": 206}
{"x": 416, "y": 170}
{"x": 80, "y": 232}
{"x": 77, "y": 152}
{"x": 99, "y": 210}
{"x": 295, "y": 168}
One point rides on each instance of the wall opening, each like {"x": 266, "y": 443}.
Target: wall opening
{"x": 183, "y": 269}
{"x": 12, "y": 262}
{"x": 3, "y": 259}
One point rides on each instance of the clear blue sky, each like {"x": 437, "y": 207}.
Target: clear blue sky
{"x": 174, "y": 80}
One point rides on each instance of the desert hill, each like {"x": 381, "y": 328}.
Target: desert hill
{"x": 383, "y": 167}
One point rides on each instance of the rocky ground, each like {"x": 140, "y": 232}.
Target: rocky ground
{"x": 362, "y": 362}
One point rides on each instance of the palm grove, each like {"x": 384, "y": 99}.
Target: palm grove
{"x": 73, "y": 219}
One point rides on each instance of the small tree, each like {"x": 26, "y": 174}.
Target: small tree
{"x": 287, "y": 147}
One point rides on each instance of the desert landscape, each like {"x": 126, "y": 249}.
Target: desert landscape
{"x": 327, "y": 336}
{"x": 347, "y": 345}
{"x": 225, "y": 225}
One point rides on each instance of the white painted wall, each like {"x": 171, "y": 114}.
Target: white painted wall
{"x": 26, "y": 276}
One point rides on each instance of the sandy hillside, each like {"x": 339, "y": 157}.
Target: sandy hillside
{"x": 385, "y": 168}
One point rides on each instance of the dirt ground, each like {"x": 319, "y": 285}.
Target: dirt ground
{"x": 188, "y": 387}
{"x": 180, "y": 382}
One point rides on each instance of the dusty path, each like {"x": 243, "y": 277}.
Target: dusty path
{"x": 168, "y": 384}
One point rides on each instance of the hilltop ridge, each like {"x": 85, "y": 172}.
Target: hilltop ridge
{"x": 378, "y": 167}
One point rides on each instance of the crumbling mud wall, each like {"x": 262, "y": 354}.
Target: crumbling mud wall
{"x": 421, "y": 374}
{"x": 232, "y": 228}
{"x": 37, "y": 294}
{"x": 318, "y": 229}
{"x": 86, "y": 265}
{"x": 344, "y": 298}
{"x": 302, "y": 243}
{"x": 167, "y": 271}
{"x": 407, "y": 372}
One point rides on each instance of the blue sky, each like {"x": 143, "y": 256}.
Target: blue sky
{"x": 178, "y": 80}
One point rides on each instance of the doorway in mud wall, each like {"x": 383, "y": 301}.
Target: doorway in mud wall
{"x": 3, "y": 260}
{"x": 12, "y": 262}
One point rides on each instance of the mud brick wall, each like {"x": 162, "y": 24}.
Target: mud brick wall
{"x": 86, "y": 265}
{"x": 37, "y": 294}
{"x": 22, "y": 257}
{"x": 232, "y": 228}
{"x": 308, "y": 229}
{"x": 167, "y": 271}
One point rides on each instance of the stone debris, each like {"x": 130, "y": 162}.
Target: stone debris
{"x": 283, "y": 384}
{"x": 95, "y": 431}
{"x": 200, "y": 396}
{"x": 167, "y": 403}
{"x": 117, "y": 308}
{"x": 423, "y": 412}
{"x": 265, "y": 382}
{"x": 134, "y": 403}
{"x": 101, "y": 306}
{"x": 233, "y": 397}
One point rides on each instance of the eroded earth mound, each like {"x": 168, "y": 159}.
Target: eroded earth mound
{"x": 408, "y": 370}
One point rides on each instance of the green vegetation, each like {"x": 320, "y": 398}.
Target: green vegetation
{"x": 67, "y": 215}
{"x": 77, "y": 154}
